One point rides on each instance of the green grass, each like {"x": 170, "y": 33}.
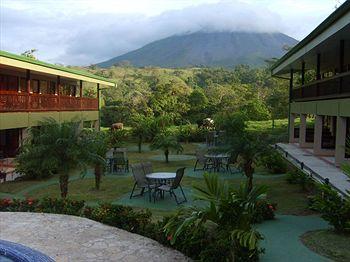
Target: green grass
{"x": 329, "y": 244}
{"x": 289, "y": 198}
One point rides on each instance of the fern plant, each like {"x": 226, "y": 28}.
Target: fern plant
{"x": 224, "y": 210}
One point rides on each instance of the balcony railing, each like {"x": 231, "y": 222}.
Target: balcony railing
{"x": 333, "y": 87}
{"x": 17, "y": 102}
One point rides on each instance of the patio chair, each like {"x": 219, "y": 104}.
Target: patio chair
{"x": 202, "y": 160}
{"x": 176, "y": 184}
{"x": 147, "y": 168}
{"x": 230, "y": 162}
{"x": 141, "y": 181}
{"x": 120, "y": 161}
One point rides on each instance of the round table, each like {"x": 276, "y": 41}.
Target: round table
{"x": 161, "y": 176}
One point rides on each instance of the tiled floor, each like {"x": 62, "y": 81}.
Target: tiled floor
{"x": 323, "y": 166}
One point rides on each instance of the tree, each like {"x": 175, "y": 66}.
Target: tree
{"x": 249, "y": 147}
{"x": 166, "y": 142}
{"x": 97, "y": 143}
{"x": 141, "y": 128}
{"x": 56, "y": 147}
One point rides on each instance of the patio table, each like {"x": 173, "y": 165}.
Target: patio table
{"x": 161, "y": 178}
{"x": 217, "y": 160}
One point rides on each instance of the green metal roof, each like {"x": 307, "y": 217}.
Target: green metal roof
{"x": 61, "y": 68}
{"x": 343, "y": 9}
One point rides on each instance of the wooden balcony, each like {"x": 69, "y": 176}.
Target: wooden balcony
{"x": 22, "y": 102}
{"x": 328, "y": 88}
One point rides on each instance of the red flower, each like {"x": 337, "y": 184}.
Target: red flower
{"x": 169, "y": 238}
{"x": 7, "y": 201}
{"x": 30, "y": 201}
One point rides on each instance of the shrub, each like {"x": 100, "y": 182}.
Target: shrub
{"x": 60, "y": 206}
{"x": 274, "y": 162}
{"x": 334, "y": 209}
{"x": 264, "y": 211}
{"x": 123, "y": 217}
{"x": 299, "y": 177}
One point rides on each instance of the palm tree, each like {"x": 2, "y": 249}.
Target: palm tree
{"x": 166, "y": 142}
{"x": 97, "y": 143}
{"x": 249, "y": 147}
{"x": 141, "y": 126}
{"x": 57, "y": 147}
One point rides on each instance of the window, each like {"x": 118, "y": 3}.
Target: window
{"x": 43, "y": 87}
{"x": 34, "y": 86}
{"x": 9, "y": 83}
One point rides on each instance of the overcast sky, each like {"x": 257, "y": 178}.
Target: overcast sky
{"x": 83, "y": 32}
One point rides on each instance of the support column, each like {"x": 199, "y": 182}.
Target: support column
{"x": 97, "y": 123}
{"x": 28, "y": 89}
{"x": 302, "y": 130}
{"x": 318, "y": 135}
{"x": 58, "y": 92}
{"x": 340, "y": 141}
{"x": 291, "y": 128}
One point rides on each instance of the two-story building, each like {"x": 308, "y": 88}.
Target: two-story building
{"x": 318, "y": 69}
{"x": 31, "y": 91}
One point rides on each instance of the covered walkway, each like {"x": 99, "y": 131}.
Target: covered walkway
{"x": 321, "y": 168}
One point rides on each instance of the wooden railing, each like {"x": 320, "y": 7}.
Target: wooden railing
{"x": 17, "y": 102}
{"x": 333, "y": 87}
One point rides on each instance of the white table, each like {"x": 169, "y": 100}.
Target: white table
{"x": 161, "y": 176}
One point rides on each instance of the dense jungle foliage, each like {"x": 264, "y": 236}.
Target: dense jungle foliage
{"x": 190, "y": 95}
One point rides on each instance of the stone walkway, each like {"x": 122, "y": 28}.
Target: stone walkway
{"x": 70, "y": 238}
{"x": 321, "y": 165}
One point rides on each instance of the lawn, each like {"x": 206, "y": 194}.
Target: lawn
{"x": 329, "y": 244}
{"x": 117, "y": 186}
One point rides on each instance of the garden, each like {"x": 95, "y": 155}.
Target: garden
{"x": 228, "y": 216}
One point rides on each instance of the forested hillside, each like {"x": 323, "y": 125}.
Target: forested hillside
{"x": 190, "y": 95}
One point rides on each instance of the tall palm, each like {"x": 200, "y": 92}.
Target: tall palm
{"x": 249, "y": 147}
{"x": 141, "y": 126}
{"x": 59, "y": 148}
{"x": 97, "y": 143}
{"x": 166, "y": 142}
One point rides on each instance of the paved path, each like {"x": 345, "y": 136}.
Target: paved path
{"x": 282, "y": 238}
{"x": 321, "y": 165}
{"x": 70, "y": 238}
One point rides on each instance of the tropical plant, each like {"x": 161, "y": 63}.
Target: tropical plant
{"x": 334, "y": 208}
{"x": 56, "y": 147}
{"x": 117, "y": 137}
{"x": 346, "y": 166}
{"x": 97, "y": 143}
{"x": 249, "y": 147}
{"x": 166, "y": 142}
{"x": 141, "y": 128}
{"x": 226, "y": 210}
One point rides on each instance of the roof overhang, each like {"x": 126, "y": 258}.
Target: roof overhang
{"x": 38, "y": 66}
{"x": 337, "y": 21}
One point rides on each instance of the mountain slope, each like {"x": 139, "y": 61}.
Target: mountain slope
{"x": 224, "y": 49}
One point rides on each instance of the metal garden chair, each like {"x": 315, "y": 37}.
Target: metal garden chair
{"x": 176, "y": 184}
{"x": 141, "y": 181}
